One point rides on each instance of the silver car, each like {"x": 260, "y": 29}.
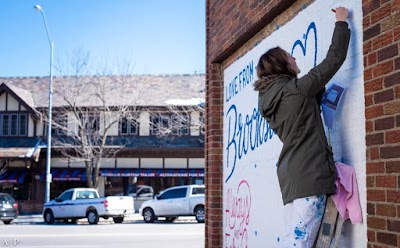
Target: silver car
{"x": 8, "y": 208}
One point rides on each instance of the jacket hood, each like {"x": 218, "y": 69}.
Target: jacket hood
{"x": 270, "y": 92}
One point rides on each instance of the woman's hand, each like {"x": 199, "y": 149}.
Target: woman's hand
{"x": 341, "y": 14}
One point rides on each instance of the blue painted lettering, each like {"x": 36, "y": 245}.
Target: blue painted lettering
{"x": 245, "y": 133}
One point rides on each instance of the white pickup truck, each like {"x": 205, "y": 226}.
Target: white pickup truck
{"x": 78, "y": 203}
{"x": 176, "y": 201}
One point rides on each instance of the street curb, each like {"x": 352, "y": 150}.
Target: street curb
{"x": 136, "y": 218}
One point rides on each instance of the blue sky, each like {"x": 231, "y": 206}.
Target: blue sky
{"x": 156, "y": 36}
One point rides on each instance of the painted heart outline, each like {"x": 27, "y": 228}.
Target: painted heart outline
{"x": 303, "y": 46}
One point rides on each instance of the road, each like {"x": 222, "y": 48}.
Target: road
{"x": 179, "y": 234}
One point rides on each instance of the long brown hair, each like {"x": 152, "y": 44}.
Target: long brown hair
{"x": 274, "y": 62}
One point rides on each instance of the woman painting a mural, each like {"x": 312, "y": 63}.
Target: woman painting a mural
{"x": 306, "y": 169}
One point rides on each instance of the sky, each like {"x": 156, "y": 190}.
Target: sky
{"x": 151, "y": 36}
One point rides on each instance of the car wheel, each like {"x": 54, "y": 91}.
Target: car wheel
{"x": 93, "y": 217}
{"x": 199, "y": 212}
{"x": 118, "y": 219}
{"x": 7, "y": 222}
{"x": 170, "y": 219}
{"x": 148, "y": 215}
{"x": 48, "y": 216}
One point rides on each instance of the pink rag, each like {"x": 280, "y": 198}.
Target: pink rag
{"x": 346, "y": 198}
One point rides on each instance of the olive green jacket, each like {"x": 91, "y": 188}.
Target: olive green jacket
{"x": 305, "y": 165}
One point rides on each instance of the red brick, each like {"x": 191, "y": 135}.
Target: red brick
{"x": 371, "y": 209}
{"x": 373, "y": 85}
{"x": 376, "y": 223}
{"x": 390, "y": 152}
{"x": 374, "y": 139}
{"x": 382, "y": 40}
{"x": 393, "y": 196}
{"x": 370, "y": 181}
{"x": 371, "y": 236}
{"x": 384, "y": 96}
{"x": 397, "y": 92}
{"x": 395, "y": 6}
{"x": 376, "y": 195}
{"x": 396, "y": 34}
{"x": 393, "y": 226}
{"x": 384, "y": 123}
{"x": 392, "y": 137}
{"x": 374, "y": 153}
{"x": 382, "y": 69}
{"x": 369, "y": 100}
{"x": 369, "y": 126}
{"x": 388, "y": 210}
{"x": 373, "y": 112}
{"x": 380, "y": 13}
{"x": 392, "y": 166}
{"x": 372, "y": 59}
{"x": 397, "y": 63}
{"x": 386, "y": 238}
{"x": 386, "y": 181}
{"x": 374, "y": 168}
{"x": 372, "y": 32}
{"x": 366, "y": 21}
{"x": 392, "y": 108}
{"x": 388, "y": 52}
{"x": 367, "y": 46}
{"x": 368, "y": 74}
{"x": 398, "y": 121}
{"x": 391, "y": 80}
{"x": 369, "y": 6}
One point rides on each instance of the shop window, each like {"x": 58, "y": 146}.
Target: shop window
{"x": 60, "y": 124}
{"x": 90, "y": 123}
{"x": 170, "y": 124}
{"x": 15, "y": 124}
{"x": 128, "y": 126}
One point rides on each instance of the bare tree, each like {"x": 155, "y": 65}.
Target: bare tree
{"x": 88, "y": 108}
{"x": 180, "y": 117}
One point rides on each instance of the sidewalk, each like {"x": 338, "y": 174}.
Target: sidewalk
{"x": 31, "y": 219}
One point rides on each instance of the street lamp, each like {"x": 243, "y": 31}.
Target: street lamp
{"x": 48, "y": 154}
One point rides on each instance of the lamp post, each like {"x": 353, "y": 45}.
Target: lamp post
{"x": 48, "y": 154}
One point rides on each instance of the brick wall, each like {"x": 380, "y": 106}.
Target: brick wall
{"x": 234, "y": 26}
{"x": 381, "y": 25}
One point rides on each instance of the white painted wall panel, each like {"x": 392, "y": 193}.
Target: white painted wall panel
{"x": 144, "y": 128}
{"x": 176, "y": 163}
{"x": 13, "y": 104}
{"x": 127, "y": 162}
{"x": 2, "y": 102}
{"x": 151, "y": 163}
{"x": 252, "y": 207}
{"x": 196, "y": 163}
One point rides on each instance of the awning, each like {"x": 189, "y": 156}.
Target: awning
{"x": 21, "y": 152}
{"x": 13, "y": 176}
{"x": 152, "y": 172}
{"x": 68, "y": 174}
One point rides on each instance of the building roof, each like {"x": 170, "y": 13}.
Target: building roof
{"x": 87, "y": 91}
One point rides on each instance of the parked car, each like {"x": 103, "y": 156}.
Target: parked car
{"x": 8, "y": 208}
{"x": 78, "y": 203}
{"x": 140, "y": 194}
{"x": 187, "y": 200}
{"x": 136, "y": 191}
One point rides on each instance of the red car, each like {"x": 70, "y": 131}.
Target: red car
{"x": 8, "y": 208}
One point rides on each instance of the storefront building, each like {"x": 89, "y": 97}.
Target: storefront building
{"x": 149, "y": 149}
